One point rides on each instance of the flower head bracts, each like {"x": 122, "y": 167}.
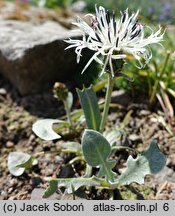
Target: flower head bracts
{"x": 113, "y": 39}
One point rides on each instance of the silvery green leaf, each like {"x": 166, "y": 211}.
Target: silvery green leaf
{"x": 44, "y": 129}
{"x": 112, "y": 136}
{"x": 96, "y": 150}
{"x": 90, "y": 107}
{"x": 71, "y": 184}
{"x": 18, "y": 162}
{"x": 151, "y": 161}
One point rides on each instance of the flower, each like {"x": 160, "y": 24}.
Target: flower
{"x": 114, "y": 39}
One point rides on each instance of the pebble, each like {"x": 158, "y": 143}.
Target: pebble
{"x": 32, "y": 137}
{"x": 10, "y": 190}
{"x": 3, "y": 91}
{"x": 145, "y": 112}
{"x": 10, "y": 144}
{"x": 58, "y": 159}
{"x": 13, "y": 182}
{"x": 134, "y": 137}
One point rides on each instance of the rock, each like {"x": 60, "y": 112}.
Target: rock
{"x": 166, "y": 174}
{"x": 37, "y": 194}
{"x": 134, "y": 137}
{"x": 32, "y": 56}
{"x": 3, "y": 91}
{"x": 78, "y": 6}
{"x": 10, "y": 144}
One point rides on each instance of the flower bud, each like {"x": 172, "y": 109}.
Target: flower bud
{"x": 60, "y": 91}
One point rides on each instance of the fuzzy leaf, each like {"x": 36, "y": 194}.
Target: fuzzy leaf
{"x": 71, "y": 184}
{"x": 18, "y": 162}
{"x": 90, "y": 107}
{"x": 96, "y": 150}
{"x": 151, "y": 161}
{"x": 113, "y": 136}
{"x": 44, "y": 129}
{"x": 51, "y": 189}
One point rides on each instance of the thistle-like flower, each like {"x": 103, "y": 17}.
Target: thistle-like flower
{"x": 113, "y": 39}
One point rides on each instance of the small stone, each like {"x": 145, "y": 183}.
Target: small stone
{"x": 134, "y": 137}
{"x": 78, "y": 6}
{"x": 10, "y": 190}
{"x": 58, "y": 159}
{"x": 13, "y": 182}
{"x": 37, "y": 194}
{"x": 145, "y": 112}
{"x": 3, "y": 91}
{"x": 12, "y": 198}
{"x": 10, "y": 144}
{"x": 35, "y": 181}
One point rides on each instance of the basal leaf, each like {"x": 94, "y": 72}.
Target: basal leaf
{"x": 71, "y": 184}
{"x": 149, "y": 162}
{"x": 18, "y": 162}
{"x": 90, "y": 107}
{"x": 96, "y": 150}
{"x": 44, "y": 129}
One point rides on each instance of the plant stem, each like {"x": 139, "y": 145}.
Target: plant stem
{"x": 67, "y": 113}
{"x": 107, "y": 101}
{"x": 158, "y": 79}
{"x": 88, "y": 172}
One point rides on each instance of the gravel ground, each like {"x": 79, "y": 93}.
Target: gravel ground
{"x": 17, "y": 115}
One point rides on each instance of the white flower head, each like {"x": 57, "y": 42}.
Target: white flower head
{"x": 114, "y": 39}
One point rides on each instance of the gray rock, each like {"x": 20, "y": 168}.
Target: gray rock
{"x": 37, "y": 194}
{"x": 166, "y": 174}
{"x": 32, "y": 56}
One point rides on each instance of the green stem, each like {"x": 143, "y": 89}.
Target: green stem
{"x": 107, "y": 101}
{"x": 67, "y": 113}
{"x": 158, "y": 79}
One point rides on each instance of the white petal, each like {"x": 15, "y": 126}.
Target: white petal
{"x": 119, "y": 56}
{"x": 90, "y": 61}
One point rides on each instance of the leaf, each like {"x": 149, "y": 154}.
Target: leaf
{"x": 53, "y": 185}
{"x": 112, "y": 136}
{"x": 72, "y": 147}
{"x": 100, "y": 85}
{"x": 90, "y": 107}
{"x": 44, "y": 129}
{"x": 151, "y": 161}
{"x": 171, "y": 91}
{"x": 18, "y": 162}
{"x": 96, "y": 150}
{"x": 28, "y": 164}
{"x": 71, "y": 184}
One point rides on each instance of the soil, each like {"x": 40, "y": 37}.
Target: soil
{"x": 17, "y": 114}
